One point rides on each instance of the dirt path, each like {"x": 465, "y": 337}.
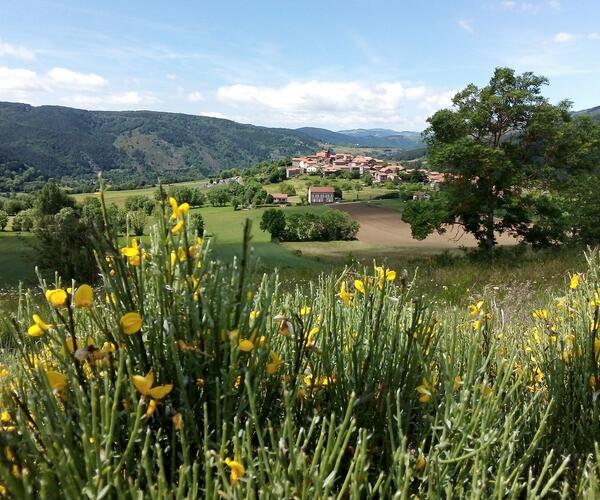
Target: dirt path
{"x": 383, "y": 226}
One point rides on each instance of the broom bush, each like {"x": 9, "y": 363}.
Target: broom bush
{"x": 181, "y": 376}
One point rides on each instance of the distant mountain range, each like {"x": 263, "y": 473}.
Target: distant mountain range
{"x": 132, "y": 147}
{"x": 368, "y": 138}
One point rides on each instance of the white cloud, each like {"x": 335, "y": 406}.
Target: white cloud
{"x": 594, "y": 36}
{"x": 171, "y": 76}
{"x": 466, "y": 26}
{"x": 19, "y": 80}
{"x": 195, "y": 97}
{"x": 335, "y": 104}
{"x": 66, "y": 78}
{"x": 532, "y": 7}
{"x": 131, "y": 98}
{"x": 212, "y": 114}
{"x": 563, "y": 37}
{"x": 9, "y": 50}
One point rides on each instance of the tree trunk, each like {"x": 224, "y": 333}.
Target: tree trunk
{"x": 490, "y": 240}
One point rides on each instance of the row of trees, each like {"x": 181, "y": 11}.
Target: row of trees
{"x": 328, "y": 225}
{"x": 515, "y": 164}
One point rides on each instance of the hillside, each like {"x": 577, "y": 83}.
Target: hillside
{"x": 367, "y": 138}
{"x": 593, "y": 112}
{"x": 130, "y": 147}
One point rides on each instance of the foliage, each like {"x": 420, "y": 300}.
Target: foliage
{"x": 273, "y": 221}
{"x": 328, "y": 225}
{"x": 186, "y": 194}
{"x": 132, "y": 147}
{"x": 498, "y": 142}
{"x": 140, "y": 202}
{"x": 197, "y": 223}
{"x": 136, "y": 222}
{"x": 63, "y": 243}
{"x": 3, "y": 220}
{"x": 426, "y": 216}
{"x": 195, "y": 380}
{"x": 288, "y": 189}
{"x": 218, "y": 196}
{"x": 52, "y": 199}
{"x": 24, "y": 220}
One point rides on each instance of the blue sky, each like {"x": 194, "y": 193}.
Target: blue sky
{"x": 328, "y": 63}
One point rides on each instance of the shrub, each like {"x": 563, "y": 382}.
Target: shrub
{"x": 24, "y": 220}
{"x": 196, "y": 380}
{"x": 136, "y": 221}
{"x": 197, "y": 223}
{"x": 328, "y": 225}
{"x": 3, "y": 220}
{"x": 140, "y": 202}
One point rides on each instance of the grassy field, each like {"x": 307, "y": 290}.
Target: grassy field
{"x": 119, "y": 197}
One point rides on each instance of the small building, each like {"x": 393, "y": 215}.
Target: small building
{"x": 421, "y": 195}
{"x": 318, "y": 195}
{"x": 280, "y": 198}
{"x": 292, "y": 172}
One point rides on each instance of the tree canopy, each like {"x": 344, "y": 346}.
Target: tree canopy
{"x": 503, "y": 147}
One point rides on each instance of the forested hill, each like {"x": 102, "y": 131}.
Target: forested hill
{"x": 130, "y": 147}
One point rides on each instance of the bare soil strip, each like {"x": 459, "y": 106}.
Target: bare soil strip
{"x": 385, "y": 227}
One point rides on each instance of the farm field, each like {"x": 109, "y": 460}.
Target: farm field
{"x": 439, "y": 261}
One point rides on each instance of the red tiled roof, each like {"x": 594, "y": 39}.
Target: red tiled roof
{"x": 280, "y": 195}
{"x": 325, "y": 189}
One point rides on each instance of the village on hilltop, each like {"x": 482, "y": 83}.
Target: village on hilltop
{"x": 331, "y": 164}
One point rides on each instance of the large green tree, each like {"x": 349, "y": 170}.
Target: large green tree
{"x": 498, "y": 144}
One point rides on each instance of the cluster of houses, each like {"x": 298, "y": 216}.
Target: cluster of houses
{"x": 331, "y": 164}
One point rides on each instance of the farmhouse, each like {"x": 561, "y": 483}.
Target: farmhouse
{"x": 280, "y": 198}
{"x": 292, "y": 172}
{"x": 320, "y": 195}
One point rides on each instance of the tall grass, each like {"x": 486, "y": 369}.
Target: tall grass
{"x": 351, "y": 387}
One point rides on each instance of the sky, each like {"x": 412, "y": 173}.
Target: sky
{"x": 337, "y": 64}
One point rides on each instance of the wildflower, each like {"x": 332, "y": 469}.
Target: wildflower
{"x": 476, "y": 324}
{"x": 254, "y": 315}
{"x": 246, "y": 345}
{"x": 540, "y": 314}
{"x": 237, "y": 471}
{"x": 177, "y": 421}
{"x": 421, "y": 463}
{"x": 474, "y": 309}
{"x": 457, "y": 383}
{"x": 56, "y": 297}
{"x": 151, "y": 408}
{"x": 132, "y": 253}
{"x": 56, "y": 380}
{"x": 38, "y": 328}
{"x": 305, "y": 311}
{"x": 131, "y": 323}
{"x": 144, "y": 386}
{"x": 574, "y": 283}
{"x": 384, "y": 275}
{"x": 177, "y": 228}
{"x": 424, "y": 391}
{"x": 486, "y": 390}
{"x": 178, "y": 211}
{"x": 344, "y": 295}
{"x": 310, "y": 339}
{"x": 360, "y": 286}
{"x": 173, "y": 259}
{"x": 5, "y": 417}
{"x": 592, "y": 381}
{"x": 538, "y": 375}
{"x": 275, "y": 363}
{"x": 84, "y": 296}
